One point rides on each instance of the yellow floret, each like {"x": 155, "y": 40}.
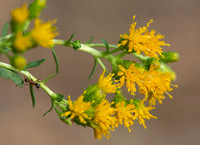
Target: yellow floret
{"x": 20, "y": 15}
{"x": 44, "y": 33}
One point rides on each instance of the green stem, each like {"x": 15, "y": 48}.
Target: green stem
{"x": 114, "y": 59}
{"x": 101, "y": 45}
{"x": 53, "y": 95}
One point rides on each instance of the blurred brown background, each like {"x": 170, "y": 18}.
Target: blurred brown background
{"x": 178, "y": 120}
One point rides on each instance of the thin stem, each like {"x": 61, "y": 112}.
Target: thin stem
{"x": 30, "y": 76}
{"x": 101, "y": 45}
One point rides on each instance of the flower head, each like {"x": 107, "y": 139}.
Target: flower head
{"x": 142, "y": 112}
{"x": 43, "y": 33}
{"x": 106, "y": 84}
{"x": 20, "y": 15}
{"x": 22, "y": 42}
{"x": 124, "y": 113}
{"x": 77, "y": 109}
{"x": 130, "y": 76}
{"x": 142, "y": 40}
{"x": 103, "y": 119}
{"x": 155, "y": 84}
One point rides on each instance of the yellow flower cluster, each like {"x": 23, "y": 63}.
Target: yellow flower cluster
{"x": 142, "y": 112}
{"x": 106, "y": 84}
{"x": 130, "y": 76}
{"x": 77, "y": 109}
{"x": 103, "y": 119}
{"x": 105, "y": 116}
{"x": 124, "y": 113}
{"x": 43, "y": 33}
{"x": 152, "y": 83}
{"x": 22, "y": 42}
{"x": 20, "y": 15}
{"x": 142, "y": 40}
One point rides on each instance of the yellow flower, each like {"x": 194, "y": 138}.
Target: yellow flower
{"x": 103, "y": 119}
{"x": 77, "y": 109}
{"x": 142, "y": 40}
{"x": 130, "y": 76}
{"x": 22, "y": 42}
{"x": 43, "y": 33}
{"x": 155, "y": 84}
{"x": 20, "y": 15}
{"x": 106, "y": 84}
{"x": 124, "y": 113}
{"x": 142, "y": 112}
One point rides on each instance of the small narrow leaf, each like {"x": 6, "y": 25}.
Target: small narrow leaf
{"x": 48, "y": 110}
{"x": 106, "y": 44}
{"x": 5, "y": 29}
{"x": 55, "y": 59}
{"x": 51, "y": 76}
{"x": 90, "y": 40}
{"x": 67, "y": 42}
{"x": 72, "y": 36}
{"x": 32, "y": 95}
{"x": 35, "y": 63}
{"x": 94, "y": 68}
{"x": 14, "y": 76}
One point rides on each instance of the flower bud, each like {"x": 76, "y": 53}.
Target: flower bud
{"x": 18, "y": 62}
{"x": 35, "y": 8}
{"x": 170, "y": 57}
{"x": 19, "y": 18}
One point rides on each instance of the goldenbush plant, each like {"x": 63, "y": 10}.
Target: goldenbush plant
{"x": 149, "y": 75}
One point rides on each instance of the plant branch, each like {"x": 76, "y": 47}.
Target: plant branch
{"x": 53, "y": 95}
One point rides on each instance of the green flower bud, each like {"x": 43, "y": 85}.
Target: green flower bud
{"x": 170, "y": 57}
{"x": 18, "y": 62}
{"x": 76, "y": 44}
{"x": 35, "y": 8}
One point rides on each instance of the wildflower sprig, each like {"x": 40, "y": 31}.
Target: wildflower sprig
{"x": 150, "y": 75}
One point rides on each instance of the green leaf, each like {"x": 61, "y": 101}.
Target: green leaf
{"x": 59, "y": 97}
{"x": 48, "y": 110}
{"x": 72, "y": 36}
{"x": 14, "y": 76}
{"x": 94, "y": 68}
{"x": 55, "y": 59}
{"x": 3, "y": 73}
{"x": 35, "y": 63}
{"x": 90, "y": 40}
{"x": 32, "y": 94}
{"x": 106, "y": 44}
{"x": 67, "y": 42}
{"x": 51, "y": 76}
{"x": 4, "y": 50}
{"x": 5, "y": 29}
